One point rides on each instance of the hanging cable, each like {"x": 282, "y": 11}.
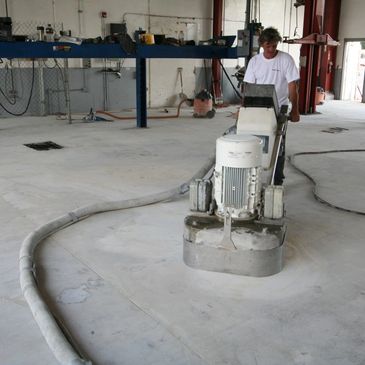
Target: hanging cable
{"x": 29, "y": 100}
{"x": 21, "y": 80}
{"x": 49, "y": 67}
{"x": 230, "y": 81}
{"x": 59, "y": 68}
{"x": 311, "y": 179}
{"x": 4, "y": 92}
{"x": 63, "y": 79}
{"x": 12, "y": 75}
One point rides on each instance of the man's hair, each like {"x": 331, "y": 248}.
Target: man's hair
{"x": 270, "y": 35}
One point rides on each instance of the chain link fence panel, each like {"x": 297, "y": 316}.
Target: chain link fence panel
{"x": 38, "y": 88}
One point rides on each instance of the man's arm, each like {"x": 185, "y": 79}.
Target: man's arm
{"x": 294, "y": 99}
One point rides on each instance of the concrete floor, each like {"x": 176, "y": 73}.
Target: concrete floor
{"x": 117, "y": 279}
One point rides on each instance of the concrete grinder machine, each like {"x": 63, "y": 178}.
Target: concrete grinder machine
{"x": 237, "y": 221}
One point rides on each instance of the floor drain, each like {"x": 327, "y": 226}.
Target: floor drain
{"x": 44, "y": 146}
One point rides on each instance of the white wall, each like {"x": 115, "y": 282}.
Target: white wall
{"x": 195, "y": 15}
{"x": 351, "y": 24}
{"x": 191, "y": 16}
{"x": 163, "y": 82}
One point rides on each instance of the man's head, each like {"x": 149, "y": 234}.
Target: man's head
{"x": 269, "y": 39}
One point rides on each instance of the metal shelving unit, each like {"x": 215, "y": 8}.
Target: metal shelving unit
{"x": 30, "y": 50}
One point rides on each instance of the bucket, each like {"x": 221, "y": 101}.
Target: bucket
{"x": 320, "y": 95}
{"x": 148, "y": 38}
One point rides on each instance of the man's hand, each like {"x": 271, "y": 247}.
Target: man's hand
{"x": 294, "y": 116}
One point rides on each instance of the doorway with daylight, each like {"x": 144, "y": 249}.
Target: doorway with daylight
{"x": 353, "y": 83}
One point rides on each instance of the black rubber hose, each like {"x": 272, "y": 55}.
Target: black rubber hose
{"x": 291, "y": 159}
{"x": 230, "y": 81}
{"x": 29, "y": 100}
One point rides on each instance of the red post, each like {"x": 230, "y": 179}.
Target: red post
{"x": 311, "y": 56}
{"x": 331, "y": 26}
{"x": 306, "y": 58}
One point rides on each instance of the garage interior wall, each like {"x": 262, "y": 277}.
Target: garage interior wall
{"x": 192, "y": 17}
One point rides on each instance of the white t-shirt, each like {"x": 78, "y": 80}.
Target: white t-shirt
{"x": 278, "y": 71}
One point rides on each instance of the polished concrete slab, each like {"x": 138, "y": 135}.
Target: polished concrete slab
{"x": 117, "y": 280}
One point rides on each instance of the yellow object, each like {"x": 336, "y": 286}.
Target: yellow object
{"x": 148, "y": 38}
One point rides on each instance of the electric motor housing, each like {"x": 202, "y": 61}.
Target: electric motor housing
{"x": 237, "y": 175}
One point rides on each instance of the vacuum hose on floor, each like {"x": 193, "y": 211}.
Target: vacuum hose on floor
{"x": 316, "y": 195}
{"x": 61, "y": 347}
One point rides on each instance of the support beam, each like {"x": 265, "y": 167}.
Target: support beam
{"x": 331, "y": 27}
{"x": 141, "y": 92}
{"x": 310, "y": 56}
{"x": 306, "y": 59}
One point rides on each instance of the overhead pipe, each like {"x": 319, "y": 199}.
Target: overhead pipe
{"x": 248, "y": 13}
{"x": 6, "y": 8}
{"x": 182, "y": 17}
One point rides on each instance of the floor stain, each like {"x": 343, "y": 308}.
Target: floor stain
{"x": 74, "y": 295}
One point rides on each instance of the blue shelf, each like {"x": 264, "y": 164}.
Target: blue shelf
{"x": 69, "y": 50}
{"x": 203, "y": 52}
{"x": 31, "y": 50}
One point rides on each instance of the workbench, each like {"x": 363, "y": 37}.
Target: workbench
{"x": 143, "y": 52}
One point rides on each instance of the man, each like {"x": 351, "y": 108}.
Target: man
{"x": 276, "y": 68}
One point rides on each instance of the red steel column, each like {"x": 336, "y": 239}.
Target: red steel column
{"x": 317, "y": 27}
{"x": 217, "y": 31}
{"x": 306, "y": 59}
{"x": 331, "y": 26}
{"x": 310, "y": 56}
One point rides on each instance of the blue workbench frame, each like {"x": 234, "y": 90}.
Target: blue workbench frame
{"x": 143, "y": 52}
